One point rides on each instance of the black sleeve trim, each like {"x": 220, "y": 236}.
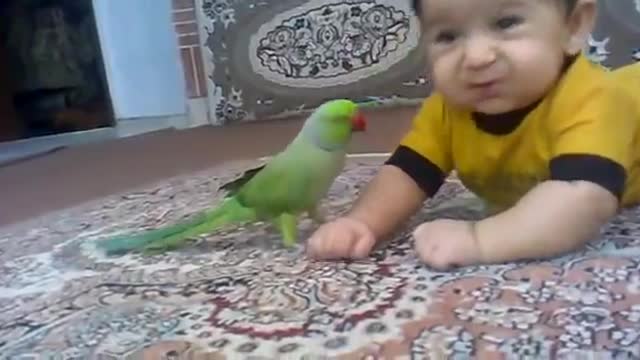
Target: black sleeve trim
{"x": 602, "y": 171}
{"x": 427, "y": 175}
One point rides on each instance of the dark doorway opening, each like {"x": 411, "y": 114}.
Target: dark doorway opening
{"x": 52, "y": 77}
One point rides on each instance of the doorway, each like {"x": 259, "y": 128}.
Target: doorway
{"x": 52, "y": 76}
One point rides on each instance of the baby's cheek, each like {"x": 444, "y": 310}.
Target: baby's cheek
{"x": 536, "y": 65}
{"x": 443, "y": 73}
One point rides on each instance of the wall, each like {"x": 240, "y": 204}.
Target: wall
{"x": 184, "y": 20}
{"x": 189, "y": 43}
{"x": 143, "y": 68}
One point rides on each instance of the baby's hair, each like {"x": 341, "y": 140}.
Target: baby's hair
{"x": 417, "y": 6}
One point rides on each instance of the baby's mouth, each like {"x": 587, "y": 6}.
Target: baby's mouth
{"x": 483, "y": 84}
{"x": 485, "y": 89}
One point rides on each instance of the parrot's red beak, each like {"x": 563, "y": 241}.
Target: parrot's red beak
{"x": 359, "y": 123}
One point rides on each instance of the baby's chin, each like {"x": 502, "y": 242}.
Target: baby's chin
{"x": 499, "y": 104}
{"x": 495, "y": 106}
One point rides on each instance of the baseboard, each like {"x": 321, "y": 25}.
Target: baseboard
{"x": 198, "y": 112}
{"x": 138, "y": 126}
{"x": 12, "y": 151}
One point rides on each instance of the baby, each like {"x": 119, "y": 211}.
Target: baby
{"x": 548, "y": 139}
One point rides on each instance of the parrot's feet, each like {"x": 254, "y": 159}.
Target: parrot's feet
{"x": 288, "y": 226}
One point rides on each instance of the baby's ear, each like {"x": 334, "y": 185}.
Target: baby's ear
{"x": 580, "y": 23}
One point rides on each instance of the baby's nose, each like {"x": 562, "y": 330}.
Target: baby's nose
{"x": 479, "y": 52}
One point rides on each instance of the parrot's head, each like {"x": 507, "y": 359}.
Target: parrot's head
{"x": 334, "y": 121}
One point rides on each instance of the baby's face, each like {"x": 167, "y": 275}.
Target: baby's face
{"x": 495, "y": 55}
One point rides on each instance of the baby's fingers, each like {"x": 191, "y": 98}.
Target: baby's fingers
{"x": 361, "y": 249}
{"x": 362, "y": 245}
{"x": 315, "y": 244}
{"x": 330, "y": 243}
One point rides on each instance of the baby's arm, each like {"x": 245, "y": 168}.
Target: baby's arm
{"x": 555, "y": 217}
{"x": 416, "y": 170}
{"x": 389, "y": 200}
{"x": 593, "y": 147}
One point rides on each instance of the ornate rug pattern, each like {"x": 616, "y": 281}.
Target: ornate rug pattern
{"x": 237, "y": 294}
{"x": 273, "y": 58}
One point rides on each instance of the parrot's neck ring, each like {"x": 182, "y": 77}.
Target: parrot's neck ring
{"x": 312, "y": 135}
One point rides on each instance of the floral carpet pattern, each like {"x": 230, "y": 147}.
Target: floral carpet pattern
{"x": 273, "y": 58}
{"x": 238, "y": 294}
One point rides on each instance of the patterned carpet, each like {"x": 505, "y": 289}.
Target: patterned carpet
{"x": 239, "y": 295}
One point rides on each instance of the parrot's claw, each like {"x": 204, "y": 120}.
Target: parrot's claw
{"x": 287, "y": 224}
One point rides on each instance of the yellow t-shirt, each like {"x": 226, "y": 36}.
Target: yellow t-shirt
{"x": 586, "y": 128}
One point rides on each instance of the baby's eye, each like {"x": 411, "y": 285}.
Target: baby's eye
{"x": 507, "y": 22}
{"x": 445, "y": 37}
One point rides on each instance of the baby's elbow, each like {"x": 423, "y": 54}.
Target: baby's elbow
{"x": 601, "y": 203}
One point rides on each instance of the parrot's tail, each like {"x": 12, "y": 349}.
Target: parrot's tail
{"x": 172, "y": 236}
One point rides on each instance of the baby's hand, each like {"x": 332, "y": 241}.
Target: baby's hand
{"x": 443, "y": 244}
{"x": 342, "y": 238}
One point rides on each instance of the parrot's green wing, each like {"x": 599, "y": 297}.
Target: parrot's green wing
{"x": 233, "y": 186}
{"x": 281, "y": 186}
{"x": 280, "y": 192}
{"x": 276, "y": 169}
{"x": 290, "y": 182}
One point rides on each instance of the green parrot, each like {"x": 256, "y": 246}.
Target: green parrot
{"x": 292, "y": 183}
